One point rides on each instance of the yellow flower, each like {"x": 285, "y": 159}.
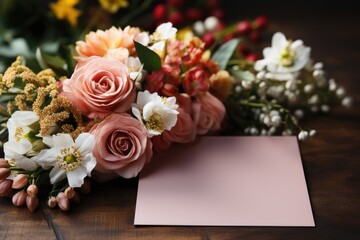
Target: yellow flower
{"x": 113, "y": 5}
{"x": 64, "y": 9}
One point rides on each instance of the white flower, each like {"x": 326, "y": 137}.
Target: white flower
{"x": 69, "y": 159}
{"x": 143, "y": 38}
{"x": 21, "y": 135}
{"x": 163, "y": 32}
{"x": 284, "y": 56}
{"x": 15, "y": 153}
{"x": 19, "y": 125}
{"x": 155, "y": 112}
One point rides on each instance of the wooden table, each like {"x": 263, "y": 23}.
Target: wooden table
{"x": 331, "y": 159}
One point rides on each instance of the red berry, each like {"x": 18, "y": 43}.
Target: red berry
{"x": 176, "y": 18}
{"x": 175, "y": 3}
{"x": 254, "y": 36}
{"x": 252, "y": 57}
{"x": 244, "y": 49}
{"x": 220, "y": 26}
{"x": 228, "y": 37}
{"x": 213, "y": 3}
{"x": 243, "y": 27}
{"x": 209, "y": 39}
{"x": 261, "y": 22}
{"x": 194, "y": 14}
{"x": 218, "y": 13}
{"x": 160, "y": 12}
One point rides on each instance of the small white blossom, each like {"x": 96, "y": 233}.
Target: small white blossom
{"x": 164, "y": 32}
{"x": 318, "y": 65}
{"x": 347, "y": 102}
{"x": 155, "y": 112}
{"x": 340, "y": 92}
{"x": 70, "y": 159}
{"x": 299, "y": 113}
{"x": 211, "y": 23}
{"x": 199, "y": 28}
{"x": 283, "y": 57}
{"x": 303, "y": 135}
{"x": 312, "y": 132}
{"x": 325, "y": 108}
{"x": 308, "y": 88}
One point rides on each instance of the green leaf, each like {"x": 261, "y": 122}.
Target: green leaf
{"x": 224, "y": 53}
{"x": 148, "y": 57}
{"x": 5, "y": 97}
{"x": 242, "y": 75}
{"x": 54, "y": 62}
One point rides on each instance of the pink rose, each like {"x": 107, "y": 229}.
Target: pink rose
{"x": 183, "y": 132}
{"x": 208, "y": 113}
{"x": 122, "y": 145}
{"x": 100, "y": 86}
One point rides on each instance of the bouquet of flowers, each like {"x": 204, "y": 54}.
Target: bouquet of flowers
{"x": 133, "y": 93}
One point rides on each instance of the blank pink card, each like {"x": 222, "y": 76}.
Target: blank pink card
{"x": 226, "y": 181}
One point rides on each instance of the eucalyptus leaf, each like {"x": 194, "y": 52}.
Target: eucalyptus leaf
{"x": 148, "y": 57}
{"x": 224, "y": 53}
{"x": 54, "y": 62}
{"x": 242, "y": 75}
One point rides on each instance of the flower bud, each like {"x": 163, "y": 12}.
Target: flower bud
{"x": 52, "y": 202}
{"x": 75, "y": 198}
{"x": 221, "y": 83}
{"x": 32, "y": 190}
{"x": 4, "y": 163}
{"x": 5, "y": 187}
{"x": 69, "y": 192}
{"x": 19, "y": 198}
{"x": 32, "y": 203}
{"x": 86, "y": 187}
{"x": 63, "y": 201}
{"x": 4, "y": 173}
{"x": 20, "y": 181}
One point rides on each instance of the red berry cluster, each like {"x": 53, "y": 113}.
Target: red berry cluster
{"x": 248, "y": 30}
{"x": 182, "y": 12}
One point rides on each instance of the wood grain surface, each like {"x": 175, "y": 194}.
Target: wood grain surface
{"x": 331, "y": 160}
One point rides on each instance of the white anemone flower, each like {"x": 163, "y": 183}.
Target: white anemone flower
{"x": 69, "y": 159}
{"x": 15, "y": 154}
{"x": 163, "y": 32}
{"x": 19, "y": 147}
{"x": 156, "y": 113}
{"x": 284, "y": 57}
{"x": 19, "y": 126}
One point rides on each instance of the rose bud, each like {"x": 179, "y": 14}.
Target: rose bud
{"x": 32, "y": 203}
{"x": 19, "y": 198}
{"x": 20, "y": 181}
{"x": 5, "y": 187}
{"x": 63, "y": 201}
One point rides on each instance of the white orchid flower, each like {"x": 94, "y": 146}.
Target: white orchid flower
{"x": 283, "y": 57}
{"x": 69, "y": 159}
{"x": 156, "y": 113}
